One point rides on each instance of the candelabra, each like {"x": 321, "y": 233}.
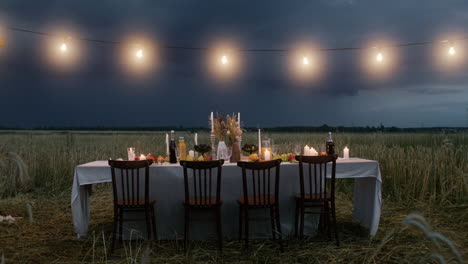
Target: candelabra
{"x": 213, "y": 140}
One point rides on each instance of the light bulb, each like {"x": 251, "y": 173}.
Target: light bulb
{"x": 63, "y": 47}
{"x": 305, "y": 61}
{"x": 139, "y": 54}
{"x": 379, "y": 57}
{"x": 224, "y": 60}
{"x": 451, "y": 51}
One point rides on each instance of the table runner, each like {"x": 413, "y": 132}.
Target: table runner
{"x": 167, "y": 187}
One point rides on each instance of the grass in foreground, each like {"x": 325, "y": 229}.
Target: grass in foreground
{"x": 50, "y": 238}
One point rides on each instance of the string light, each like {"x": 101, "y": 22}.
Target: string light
{"x": 63, "y": 47}
{"x": 224, "y": 60}
{"x": 139, "y": 54}
{"x": 451, "y": 50}
{"x": 379, "y": 57}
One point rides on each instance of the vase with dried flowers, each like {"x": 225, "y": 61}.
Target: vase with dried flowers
{"x": 234, "y": 133}
{"x": 220, "y": 130}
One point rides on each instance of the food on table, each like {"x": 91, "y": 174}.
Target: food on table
{"x": 150, "y": 157}
{"x": 208, "y": 158}
{"x": 202, "y": 149}
{"x": 161, "y": 159}
{"x": 253, "y": 157}
{"x": 190, "y": 158}
{"x": 201, "y": 158}
{"x": 250, "y": 148}
{"x": 137, "y": 158}
{"x": 291, "y": 157}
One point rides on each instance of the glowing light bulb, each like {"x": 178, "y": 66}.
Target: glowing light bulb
{"x": 451, "y": 51}
{"x": 63, "y": 47}
{"x": 224, "y": 60}
{"x": 379, "y": 57}
{"x": 139, "y": 54}
{"x": 305, "y": 61}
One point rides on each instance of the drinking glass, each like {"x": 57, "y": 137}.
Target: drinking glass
{"x": 322, "y": 149}
{"x": 131, "y": 153}
{"x": 177, "y": 153}
{"x": 297, "y": 149}
{"x": 228, "y": 155}
{"x": 274, "y": 150}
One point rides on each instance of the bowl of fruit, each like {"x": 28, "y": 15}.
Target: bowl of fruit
{"x": 250, "y": 148}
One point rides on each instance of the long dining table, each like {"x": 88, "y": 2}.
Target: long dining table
{"x": 167, "y": 187}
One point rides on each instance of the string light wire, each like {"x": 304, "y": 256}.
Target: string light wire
{"x": 241, "y": 49}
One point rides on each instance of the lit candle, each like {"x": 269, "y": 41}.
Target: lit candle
{"x": 346, "y": 153}
{"x": 191, "y": 153}
{"x": 267, "y": 155}
{"x": 306, "y": 150}
{"x": 259, "y": 144}
{"x": 313, "y": 152}
{"x": 167, "y": 144}
{"x": 212, "y": 122}
{"x": 196, "y": 139}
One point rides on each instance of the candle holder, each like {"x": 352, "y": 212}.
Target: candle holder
{"x": 213, "y": 140}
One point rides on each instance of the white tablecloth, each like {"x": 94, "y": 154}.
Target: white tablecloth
{"x": 167, "y": 187}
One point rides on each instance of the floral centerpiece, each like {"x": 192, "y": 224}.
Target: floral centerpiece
{"x": 234, "y": 133}
{"x": 220, "y": 131}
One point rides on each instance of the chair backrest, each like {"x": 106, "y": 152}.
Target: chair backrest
{"x": 200, "y": 181}
{"x": 260, "y": 183}
{"x": 129, "y": 184}
{"x": 313, "y": 176}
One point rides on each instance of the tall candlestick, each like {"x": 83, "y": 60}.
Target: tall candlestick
{"x": 238, "y": 119}
{"x": 196, "y": 139}
{"x": 212, "y": 122}
{"x": 167, "y": 144}
{"x": 259, "y": 143}
{"x": 346, "y": 153}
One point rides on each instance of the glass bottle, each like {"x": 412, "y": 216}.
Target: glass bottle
{"x": 182, "y": 149}
{"x": 172, "y": 149}
{"x": 330, "y": 145}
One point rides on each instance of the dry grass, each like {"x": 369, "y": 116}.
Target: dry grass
{"x": 422, "y": 173}
{"x": 50, "y": 238}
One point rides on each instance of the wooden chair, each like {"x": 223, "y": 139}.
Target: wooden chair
{"x": 131, "y": 193}
{"x": 316, "y": 191}
{"x": 202, "y": 192}
{"x": 260, "y": 191}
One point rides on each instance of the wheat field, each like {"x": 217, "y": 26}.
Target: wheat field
{"x": 422, "y": 172}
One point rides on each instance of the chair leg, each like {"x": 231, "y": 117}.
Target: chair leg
{"x": 301, "y": 229}
{"x": 327, "y": 222}
{"x": 246, "y": 229}
{"x": 187, "y": 227}
{"x": 148, "y": 223}
{"x": 153, "y": 218}
{"x": 219, "y": 228}
{"x": 272, "y": 220}
{"x": 278, "y": 228}
{"x": 334, "y": 222}
{"x": 114, "y": 234}
{"x": 121, "y": 225}
{"x": 296, "y": 222}
{"x": 241, "y": 220}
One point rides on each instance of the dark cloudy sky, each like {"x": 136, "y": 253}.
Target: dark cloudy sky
{"x": 417, "y": 90}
